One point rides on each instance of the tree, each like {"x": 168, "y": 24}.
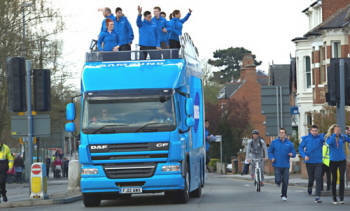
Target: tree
{"x": 230, "y": 60}
{"x": 42, "y": 46}
{"x": 326, "y": 117}
{"x": 231, "y": 120}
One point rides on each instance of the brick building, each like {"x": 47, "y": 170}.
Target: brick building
{"x": 328, "y": 37}
{"x": 248, "y": 89}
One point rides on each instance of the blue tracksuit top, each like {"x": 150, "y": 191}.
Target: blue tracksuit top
{"x": 175, "y": 26}
{"x": 311, "y": 146}
{"x": 207, "y": 143}
{"x": 336, "y": 153}
{"x": 109, "y": 40}
{"x": 104, "y": 25}
{"x": 148, "y": 33}
{"x": 161, "y": 23}
{"x": 124, "y": 30}
{"x": 279, "y": 150}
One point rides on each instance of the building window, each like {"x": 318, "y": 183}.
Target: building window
{"x": 307, "y": 63}
{"x": 336, "y": 49}
{"x": 308, "y": 119}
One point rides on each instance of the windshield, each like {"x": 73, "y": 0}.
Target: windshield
{"x": 134, "y": 114}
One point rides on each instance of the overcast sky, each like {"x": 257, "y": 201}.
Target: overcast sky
{"x": 266, "y": 27}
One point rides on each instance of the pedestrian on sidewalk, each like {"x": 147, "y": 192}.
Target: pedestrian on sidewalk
{"x": 325, "y": 166}
{"x": 6, "y": 163}
{"x": 48, "y": 164}
{"x": 256, "y": 149}
{"x": 310, "y": 149}
{"x": 19, "y": 167}
{"x": 65, "y": 165}
{"x": 208, "y": 139}
{"x": 280, "y": 152}
{"x": 58, "y": 167}
{"x": 336, "y": 143}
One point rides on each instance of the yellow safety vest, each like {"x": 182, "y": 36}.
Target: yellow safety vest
{"x": 325, "y": 155}
{"x": 5, "y": 154}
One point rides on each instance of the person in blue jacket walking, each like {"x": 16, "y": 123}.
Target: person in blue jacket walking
{"x": 108, "y": 41}
{"x": 336, "y": 143}
{"x": 280, "y": 152}
{"x": 310, "y": 149}
{"x": 175, "y": 28}
{"x": 148, "y": 35}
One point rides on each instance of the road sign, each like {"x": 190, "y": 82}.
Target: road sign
{"x": 36, "y": 169}
{"x": 275, "y": 105}
{"x": 41, "y": 126}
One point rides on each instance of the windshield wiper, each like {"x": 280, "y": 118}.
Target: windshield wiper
{"x": 148, "y": 124}
{"x": 105, "y": 126}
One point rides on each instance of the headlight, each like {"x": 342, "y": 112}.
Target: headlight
{"x": 171, "y": 168}
{"x": 89, "y": 171}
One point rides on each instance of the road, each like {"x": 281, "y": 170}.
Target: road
{"x": 220, "y": 193}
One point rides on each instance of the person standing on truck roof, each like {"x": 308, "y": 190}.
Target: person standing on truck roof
{"x": 175, "y": 26}
{"x": 108, "y": 41}
{"x": 124, "y": 30}
{"x": 107, "y": 13}
{"x": 149, "y": 37}
{"x": 161, "y": 28}
{"x": 256, "y": 149}
{"x": 280, "y": 152}
{"x": 163, "y": 14}
{"x": 310, "y": 149}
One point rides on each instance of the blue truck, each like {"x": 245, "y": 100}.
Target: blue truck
{"x": 141, "y": 126}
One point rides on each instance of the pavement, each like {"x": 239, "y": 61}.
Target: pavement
{"x": 18, "y": 195}
{"x": 221, "y": 193}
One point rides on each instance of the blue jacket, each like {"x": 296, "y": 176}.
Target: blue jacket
{"x": 175, "y": 26}
{"x": 279, "y": 151}
{"x": 148, "y": 33}
{"x": 207, "y": 141}
{"x": 124, "y": 30}
{"x": 104, "y": 25}
{"x": 337, "y": 152}
{"x": 161, "y": 23}
{"x": 311, "y": 146}
{"x": 109, "y": 40}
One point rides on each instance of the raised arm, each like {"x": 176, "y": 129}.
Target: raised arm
{"x": 183, "y": 20}
{"x": 139, "y": 19}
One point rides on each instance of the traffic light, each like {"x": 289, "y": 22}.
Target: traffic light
{"x": 333, "y": 94}
{"x": 347, "y": 82}
{"x": 16, "y": 76}
{"x": 42, "y": 89}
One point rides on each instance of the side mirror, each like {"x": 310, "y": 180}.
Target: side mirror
{"x": 70, "y": 112}
{"x": 70, "y": 127}
{"x": 189, "y": 121}
{"x": 189, "y": 106}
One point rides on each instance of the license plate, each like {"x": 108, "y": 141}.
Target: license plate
{"x": 128, "y": 190}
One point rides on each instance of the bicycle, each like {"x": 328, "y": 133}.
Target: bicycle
{"x": 258, "y": 175}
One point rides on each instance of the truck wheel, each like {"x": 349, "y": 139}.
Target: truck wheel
{"x": 90, "y": 200}
{"x": 197, "y": 193}
{"x": 183, "y": 196}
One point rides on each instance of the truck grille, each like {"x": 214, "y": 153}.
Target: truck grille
{"x": 131, "y": 170}
{"x": 120, "y": 157}
{"x": 129, "y": 147}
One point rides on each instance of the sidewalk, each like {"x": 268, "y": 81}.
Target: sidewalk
{"x": 18, "y": 194}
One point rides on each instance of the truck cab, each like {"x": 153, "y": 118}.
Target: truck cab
{"x": 141, "y": 126}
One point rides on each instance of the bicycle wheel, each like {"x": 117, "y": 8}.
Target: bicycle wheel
{"x": 258, "y": 181}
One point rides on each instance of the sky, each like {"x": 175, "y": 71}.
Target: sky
{"x": 266, "y": 27}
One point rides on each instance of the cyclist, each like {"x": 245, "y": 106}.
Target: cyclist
{"x": 256, "y": 149}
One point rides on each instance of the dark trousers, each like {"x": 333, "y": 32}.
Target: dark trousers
{"x": 334, "y": 166}
{"x": 326, "y": 170}
{"x": 166, "y": 51}
{"x": 152, "y": 54}
{"x": 19, "y": 177}
{"x": 47, "y": 171}
{"x": 245, "y": 169}
{"x": 65, "y": 172}
{"x": 174, "y": 44}
{"x": 125, "y": 55}
{"x": 282, "y": 176}
{"x": 314, "y": 172}
{"x": 3, "y": 177}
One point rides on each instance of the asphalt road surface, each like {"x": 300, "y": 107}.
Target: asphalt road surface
{"x": 221, "y": 193}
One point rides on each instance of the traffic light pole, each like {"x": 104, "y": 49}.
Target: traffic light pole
{"x": 29, "y": 152}
{"x": 341, "y": 104}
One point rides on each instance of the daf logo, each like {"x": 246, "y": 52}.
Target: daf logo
{"x": 98, "y": 147}
{"x": 161, "y": 145}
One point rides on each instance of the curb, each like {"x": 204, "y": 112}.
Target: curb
{"x": 31, "y": 202}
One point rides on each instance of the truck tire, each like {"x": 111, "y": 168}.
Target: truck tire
{"x": 197, "y": 193}
{"x": 181, "y": 196}
{"x": 90, "y": 200}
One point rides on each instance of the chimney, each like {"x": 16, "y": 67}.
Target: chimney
{"x": 329, "y": 7}
{"x": 248, "y": 70}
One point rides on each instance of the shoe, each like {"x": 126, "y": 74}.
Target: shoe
{"x": 335, "y": 202}
{"x": 309, "y": 192}
{"x": 318, "y": 200}
{"x": 284, "y": 198}
{"x": 341, "y": 202}
{"x": 4, "y": 198}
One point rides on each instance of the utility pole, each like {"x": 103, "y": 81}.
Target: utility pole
{"x": 341, "y": 104}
